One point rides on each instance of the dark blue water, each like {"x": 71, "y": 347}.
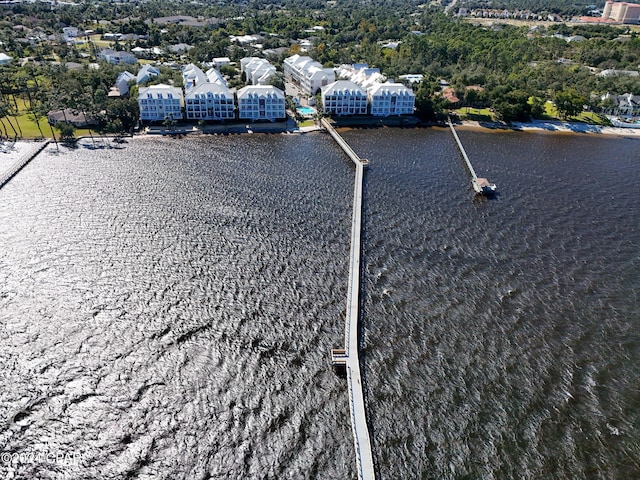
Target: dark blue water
{"x": 502, "y": 335}
{"x": 167, "y": 309}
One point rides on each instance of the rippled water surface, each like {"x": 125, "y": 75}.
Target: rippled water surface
{"x": 502, "y": 336}
{"x": 167, "y": 309}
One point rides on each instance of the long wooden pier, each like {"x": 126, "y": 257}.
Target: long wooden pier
{"x": 347, "y": 357}
{"x": 480, "y": 185}
{"x": 22, "y": 162}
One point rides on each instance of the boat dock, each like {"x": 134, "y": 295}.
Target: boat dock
{"x": 22, "y": 162}
{"x": 480, "y": 185}
{"x": 347, "y": 358}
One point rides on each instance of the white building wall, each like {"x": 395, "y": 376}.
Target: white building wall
{"x": 261, "y": 102}
{"x": 122, "y": 82}
{"x": 209, "y": 102}
{"x": 344, "y": 97}
{"x": 159, "y": 102}
{"x": 258, "y": 71}
{"x": 388, "y": 99}
{"x": 309, "y": 75}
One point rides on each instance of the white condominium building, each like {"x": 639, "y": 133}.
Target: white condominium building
{"x": 261, "y": 102}
{"x": 344, "y": 97}
{"x": 361, "y": 74}
{"x": 192, "y": 76}
{"x": 209, "y": 101}
{"x": 258, "y": 71}
{"x": 160, "y": 102}
{"x": 391, "y": 99}
{"x": 207, "y": 96}
{"x": 309, "y": 75}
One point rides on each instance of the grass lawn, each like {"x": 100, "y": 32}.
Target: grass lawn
{"x": 475, "y": 114}
{"x": 550, "y": 113}
{"x": 306, "y": 123}
{"x": 585, "y": 117}
{"x": 28, "y": 129}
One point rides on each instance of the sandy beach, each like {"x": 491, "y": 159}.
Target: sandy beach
{"x": 555, "y": 127}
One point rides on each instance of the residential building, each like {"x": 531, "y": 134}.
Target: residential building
{"x": 221, "y": 61}
{"x": 214, "y": 76}
{"x": 5, "y": 59}
{"x": 146, "y": 73}
{"x": 192, "y": 76}
{"x": 70, "y": 34}
{"x": 209, "y": 101}
{"x": 180, "y": 48}
{"x": 627, "y": 105}
{"x": 122, "y": 82}
{"x": 159, "y": 102}
{"x": 207, "y": 96}
{"x": 246, "y": 39}
{"x": 621, "y": 12}
{"x": 261, "y": 102}
{"x": 116, "y": 58}
{"x": 412, "y": 78}
{"x": 308, "y": 74}
{"x": 258, "y": 71}
{"x": 391, "y": 99}
{"x": 184, "y": 20}
{"x": 615, "y": 73}
{"x": 361, "y": 74}
{"x": 343, "y": 97}
{"x": 77, "y": 118}
{"x": 367, "y": 77}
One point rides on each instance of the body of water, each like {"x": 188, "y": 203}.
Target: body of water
{"x": 168, "y": 308}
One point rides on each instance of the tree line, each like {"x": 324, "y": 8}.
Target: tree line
{"x": 518, "y": 68}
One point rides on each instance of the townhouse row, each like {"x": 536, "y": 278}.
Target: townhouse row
{"x": 207, "y": 97}
{"x": 359, "y": 90}
{"x": 350, "y": 89}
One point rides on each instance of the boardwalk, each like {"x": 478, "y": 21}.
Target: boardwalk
{"x": 480, "y": 185}
{"x": 348, "y": 357}
{"x": 22, "y": 161}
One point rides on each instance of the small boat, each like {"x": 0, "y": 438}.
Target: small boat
{"x": 484, "y": 187}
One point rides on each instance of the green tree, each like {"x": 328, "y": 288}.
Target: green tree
{"x": 67, "y": 131}
{"x": 470, "y": 97}
{"x": 569, "y": 102}
{"x": 512, "y": 106}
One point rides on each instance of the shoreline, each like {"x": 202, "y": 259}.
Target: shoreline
{"x": 552, "y": 127}
{"x": 18, "y": 147}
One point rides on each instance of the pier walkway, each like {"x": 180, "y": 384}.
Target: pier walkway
{"x": 22, "y": 162}
{"x": 480, "y": 185}
{"x": 348, "y": 358}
